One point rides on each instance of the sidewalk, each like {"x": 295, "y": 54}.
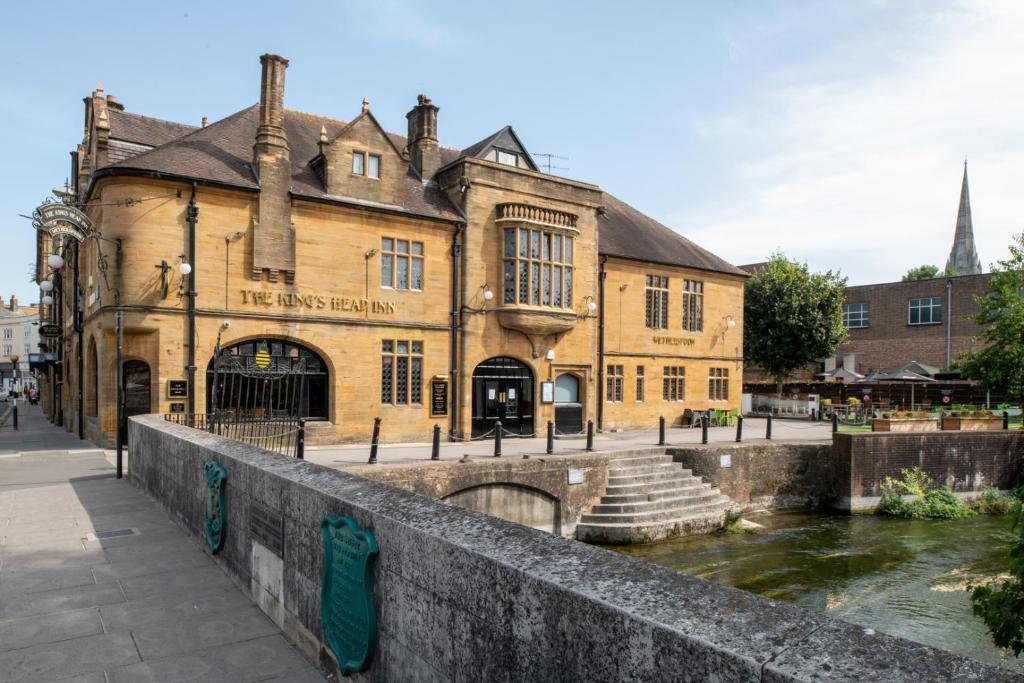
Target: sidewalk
{"x": 147, "y": 606}
{"x": 753, "y": 432}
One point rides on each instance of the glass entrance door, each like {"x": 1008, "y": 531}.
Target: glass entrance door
{"x": 502, "y": 390}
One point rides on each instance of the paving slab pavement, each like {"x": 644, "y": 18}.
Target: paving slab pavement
{"x": 149, "y": 607}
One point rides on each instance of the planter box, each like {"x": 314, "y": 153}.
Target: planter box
{"x": 972, "y": 424}
{"x": 912, "y": 424}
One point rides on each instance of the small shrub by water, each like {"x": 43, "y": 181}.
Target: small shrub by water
{"x": 928, "y": 502}
{"x": 733, "y": 523}
{"x": 995, "y": 502}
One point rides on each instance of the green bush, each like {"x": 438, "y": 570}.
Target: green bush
{"x": 994, "y": 502}
{"x": 928, "y": 502}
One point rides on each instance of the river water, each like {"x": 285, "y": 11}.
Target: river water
{"x": 906, "y": 578}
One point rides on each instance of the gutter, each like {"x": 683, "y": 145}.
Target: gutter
{"x": 453, "y": 363}
{"x": 949, "y": 323}
{"x": 192, "y": 217}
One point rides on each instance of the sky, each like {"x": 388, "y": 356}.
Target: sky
{"x": 833, "y": 132}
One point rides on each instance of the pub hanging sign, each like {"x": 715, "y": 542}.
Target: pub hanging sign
{"x": 61, "y": 220}
{"x": 49, "y": 330}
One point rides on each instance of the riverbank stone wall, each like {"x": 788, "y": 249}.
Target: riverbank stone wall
{"x": 763, "y": 476}
{"x": 966, "y": 462}
{"x": 460, "y": 596}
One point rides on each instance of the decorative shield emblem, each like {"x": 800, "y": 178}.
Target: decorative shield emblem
{"x": 346, "y": 594}
{"x": 216, "y": 513}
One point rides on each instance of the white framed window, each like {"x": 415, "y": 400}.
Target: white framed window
{"x": 8, "y": 333}
{"x": 358, "y": 163}
{"x": 373, "y": 166}
{"x": 855, "y": 316}
{"x": 926, "y": 311}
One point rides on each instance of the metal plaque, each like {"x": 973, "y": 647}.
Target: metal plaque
{"x": 346, "y": 594}
{"x": 438, "y": 398}
{"x": 725, "y": 460}
{"x": 216, "y": 513}
{"x": 177, "y": 388}
{"x": 575, "y": 476}
{"x": 177, "y": 407}
{"x": 267, "y": 527}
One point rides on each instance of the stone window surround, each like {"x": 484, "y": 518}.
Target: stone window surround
{"x": 718, "y": 384}
{"x": 656, "y": 301}
{"x": 614, "y": 389}
{"x": 639, "y": 384}
{"x": 401, "y": 372}
{"x": 693, "y": 305}
{"x": 673, "y": 384}
{"x": 392, "y": 257}
{"x": 364, "y": 158}
{"x": 536, "y": 250}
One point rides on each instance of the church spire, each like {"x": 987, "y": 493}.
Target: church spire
{"x": 963, "y": 257}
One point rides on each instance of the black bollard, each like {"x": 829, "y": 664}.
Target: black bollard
{"x": 704, "y": 428}
{"x": 661, "y": 430}
{"x": 590, "y": 435}
{"x": 435, "y": 447}
{"x": 835, "y": 423}
{"x": 739, "y": 429}
{"x": 551, "y": 437}
{"x": 375, "y": 441}
{"x": 768, "y": 428}
{"x": 300, "y": 440}
{"x": 497, "y": 439}
{"x": 15, "y": 414}
{"x": 1006, "y": 419}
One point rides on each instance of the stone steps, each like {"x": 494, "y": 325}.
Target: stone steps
{"x": 649, "y": 498}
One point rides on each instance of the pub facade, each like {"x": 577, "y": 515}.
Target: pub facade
{"x": 399, "y": 278}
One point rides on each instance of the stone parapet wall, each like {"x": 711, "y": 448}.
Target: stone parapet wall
{"x": 763, "y": 476}
{"x": 966, "y": 462}
{"x": 465, "y": 597}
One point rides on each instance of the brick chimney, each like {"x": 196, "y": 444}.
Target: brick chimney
{"x": 273, "y": 235}
{"x": 424, "y": 154}
{"x": 14, "y": 303}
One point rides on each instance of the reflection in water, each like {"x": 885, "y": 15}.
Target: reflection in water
{"x": 906, "y": 578}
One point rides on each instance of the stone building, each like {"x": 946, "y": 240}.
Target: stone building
{"x": 19, "y": 336}
{"x": 399, "y": 278}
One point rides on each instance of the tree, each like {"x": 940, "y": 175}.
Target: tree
{"x": 925, "y": 272}
{"x": 791, "y": 317}
{"x": 1001, "y": 605}
{"x": 999, "y": 367}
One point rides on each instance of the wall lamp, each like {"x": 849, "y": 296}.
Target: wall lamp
{"x": 165, "y": 275}
{"x": 488, "y": 294}
{"x": 55, "y": 261}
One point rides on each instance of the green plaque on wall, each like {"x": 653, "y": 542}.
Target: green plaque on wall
{"x": 216, "y": 513}
{"x": 346, "y": 593}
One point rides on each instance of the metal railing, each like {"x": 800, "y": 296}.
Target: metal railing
{"x": 284, "y": 435}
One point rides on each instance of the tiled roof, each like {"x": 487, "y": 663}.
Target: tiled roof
{"x": 222, "y": 153}
{"x": 144, "y": 130}
{"x": 627, "y": 233}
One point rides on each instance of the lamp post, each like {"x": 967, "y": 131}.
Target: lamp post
{"x": 14, "y": 371}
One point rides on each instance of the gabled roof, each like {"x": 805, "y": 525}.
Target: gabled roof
{"x": 222, "y": 153}
{"x": 626, "y": 233}
{"x": 505, "y": 139}
{"x": 144, "y": 130}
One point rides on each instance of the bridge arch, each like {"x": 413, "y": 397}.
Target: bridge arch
{"x": 514, "y": 502}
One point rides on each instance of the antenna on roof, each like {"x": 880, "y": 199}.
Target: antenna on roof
{"x": 548, "y": 165}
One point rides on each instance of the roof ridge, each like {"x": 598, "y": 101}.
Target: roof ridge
{"x": 152, "y": 118}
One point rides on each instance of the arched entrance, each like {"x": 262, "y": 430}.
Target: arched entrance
{"x": 136, "y": 385}
{"x": 503, "y": 390}
{"x": 269, "y": 377}
{"x": 568, "y": 408}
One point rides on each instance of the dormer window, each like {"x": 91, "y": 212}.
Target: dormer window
{"x": 507, "y": 158}
{"x": 366, "y": 164}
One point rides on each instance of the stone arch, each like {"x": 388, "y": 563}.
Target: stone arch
{"x": 511, "y": 501}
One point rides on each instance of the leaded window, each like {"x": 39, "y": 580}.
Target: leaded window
{"x": 639, "y": 384}
{"x": 855, "y": 316}
{"x": 537, "y": 268}
{"x": 718, "y": 384}
{"x": 656, "y": 304}
{"x": 926, "y": 311}
{"x": 673, "y": 383}
{"x": 693, "y": 305}
{"x": 401, "y": 263}
{"x": 614, "y": 381}
{"x": 401, "y": 374}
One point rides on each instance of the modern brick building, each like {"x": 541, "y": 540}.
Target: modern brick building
{"x": 925, "y": 321}
{"x": 401, "y": 278}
